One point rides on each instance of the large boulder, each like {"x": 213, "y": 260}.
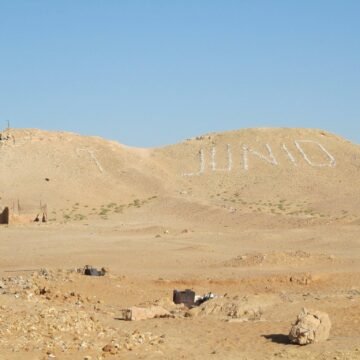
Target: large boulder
{"x": 310, "y": 327}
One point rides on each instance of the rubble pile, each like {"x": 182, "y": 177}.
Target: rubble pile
{"x": 45, "y": 318}
{"x": 49, "y": 328}
{"x": 133, "y": 340}
{"x": 37, "y": 283}
{"x": 63, "y": 330}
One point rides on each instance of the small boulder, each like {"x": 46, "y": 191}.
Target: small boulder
{"x": 110, "y": 348}
{"x": 310, "y": 327}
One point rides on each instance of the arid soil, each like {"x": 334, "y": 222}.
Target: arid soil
{"x": 268, "y": 237}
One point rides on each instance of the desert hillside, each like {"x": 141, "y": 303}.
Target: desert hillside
{"x": 265, "y": 219}
{"x": 301, "y": 174}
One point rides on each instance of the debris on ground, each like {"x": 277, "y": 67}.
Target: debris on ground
{"x": 310, "y": 327}
{"x": 186, "y": 297}
{"x": 164, "y": 308}
{"x": 190, "y": 299}
{"x": 135, "y": 313}
{"x": 91, "y": 271}
{"x": 201, "y": 299}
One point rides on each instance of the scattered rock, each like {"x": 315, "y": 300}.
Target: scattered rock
{"x": 291, "y": 258}
{"x": 59, "y": 319}
{"x": 310, "y": 327}
{"x": 301, "y": 279}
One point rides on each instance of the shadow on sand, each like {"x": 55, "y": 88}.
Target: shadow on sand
{"x": 278, "y": 338}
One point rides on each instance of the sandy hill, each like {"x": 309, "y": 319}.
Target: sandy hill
{"x": 291, "y": 174}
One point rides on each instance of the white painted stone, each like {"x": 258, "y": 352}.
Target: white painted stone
{"x": 229, "y": 160}
{"x": 289, "y": 154}
{"x": 92, "y": 156}
{"x": 332, "y": 161}
{"x": 246, "y": 157}
{"x": 270, "y": 159}
{"x": 201, "y": 165}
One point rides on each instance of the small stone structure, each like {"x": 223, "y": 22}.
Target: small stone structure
{"x": 5, "y": 216}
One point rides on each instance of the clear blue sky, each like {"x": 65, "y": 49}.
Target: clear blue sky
{"x": 149, "y": 73}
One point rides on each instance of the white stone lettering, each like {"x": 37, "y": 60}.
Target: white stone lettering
{"x": 92, "y": 156}
{"x": 330, "y": 163}
{"x": 289, "y": 154}
{"x": 201, "y": 165}
{"x": 270, "y": 159}
{"x": 229, "y": 159}
{"x": 246, "y": 157}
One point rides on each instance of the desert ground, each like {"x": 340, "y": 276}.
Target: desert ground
{"x": 268, "y": 220}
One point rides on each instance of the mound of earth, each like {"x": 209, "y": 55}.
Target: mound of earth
{"x": 290, "y": 258}
{"x": 247, "y": 308}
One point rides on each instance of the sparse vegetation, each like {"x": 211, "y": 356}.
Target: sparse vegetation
{"x": 103, "y": 212}
{"x": 79, "y": 217}
{"x": 279, "y": 207}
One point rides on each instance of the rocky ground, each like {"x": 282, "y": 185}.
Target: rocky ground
{"x": 64, "y": 314}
